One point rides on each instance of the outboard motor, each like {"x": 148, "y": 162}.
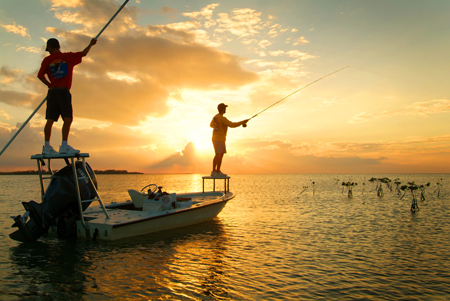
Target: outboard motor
{"x": 59, "y": 206}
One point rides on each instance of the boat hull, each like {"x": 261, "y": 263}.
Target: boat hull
{"x": 130, "y": 223}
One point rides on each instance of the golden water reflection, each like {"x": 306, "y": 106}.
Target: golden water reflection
{"x": 171, "y": 265}
{"x": 167, "y": 264}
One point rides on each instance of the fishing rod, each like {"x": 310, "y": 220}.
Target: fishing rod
{"x": 245, "y": 124}
{"x": 42, "y": 102}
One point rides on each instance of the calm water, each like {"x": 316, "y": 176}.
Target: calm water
{"x": 271, "y": 242}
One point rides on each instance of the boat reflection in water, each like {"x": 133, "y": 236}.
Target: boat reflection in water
{"x": 171, "y": 264}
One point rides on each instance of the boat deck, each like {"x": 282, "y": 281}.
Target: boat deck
{"x": 119, "y": 216}
{"x": 123, "y": 223}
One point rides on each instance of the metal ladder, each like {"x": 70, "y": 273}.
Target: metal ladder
{"x": 40, "y": 162}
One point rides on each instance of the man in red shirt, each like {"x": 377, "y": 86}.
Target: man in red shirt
{"x": 58, "y": 67}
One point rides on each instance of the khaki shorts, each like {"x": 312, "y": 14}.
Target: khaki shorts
{"x": 219, "y": 147}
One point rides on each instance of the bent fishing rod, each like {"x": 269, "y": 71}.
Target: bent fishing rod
{"x": 39, "y": 106}
{"x": 245, "y": 124}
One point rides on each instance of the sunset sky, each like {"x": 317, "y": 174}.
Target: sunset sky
{"x": 144, "y": 96}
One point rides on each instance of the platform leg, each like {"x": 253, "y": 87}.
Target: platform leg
{"x": 41, "y": 181}
{"x": 96, "y": 191}
{"x": 80, "y": 206}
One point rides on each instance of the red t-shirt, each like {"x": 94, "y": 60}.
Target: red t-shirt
{"x": 59, "y": 68}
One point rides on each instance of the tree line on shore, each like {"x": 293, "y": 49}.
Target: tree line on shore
{"x": 98, "y": 172}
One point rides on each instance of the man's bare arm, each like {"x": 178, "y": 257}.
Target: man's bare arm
{"x": 88, "y": 48}
{"x": 44, "y": 80}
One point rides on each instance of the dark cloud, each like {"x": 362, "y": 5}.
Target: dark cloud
{"x": 19, "y": 99}
{"x": 7, "y": 72}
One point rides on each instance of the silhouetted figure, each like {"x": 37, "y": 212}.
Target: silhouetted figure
{"x": 58, "y": 67}
{"x": 220, "y": 126}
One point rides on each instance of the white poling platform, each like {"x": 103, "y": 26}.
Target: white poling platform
{"x": 226, "y": 182}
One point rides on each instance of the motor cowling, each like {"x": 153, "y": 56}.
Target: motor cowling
{"x": 61, "y": 192}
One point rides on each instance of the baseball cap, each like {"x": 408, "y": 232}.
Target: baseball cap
{"x": 221, "y": 106}
{"x": 54, "y": 43}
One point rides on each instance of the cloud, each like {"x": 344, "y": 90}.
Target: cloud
{"x": 5, "y": 115}
{"x": 30, "y": 49}
{"x": 93, "y": 15}
{"x": 176, "y": 32}
{"x": 260, "y": 156}
{"x": 243, "y": 23}
{"x": 264, "y": 43}
{"x": 301, "y": 55}
{"x": 8, "y": 75}
{"x": 284, "y": 156}
{"x": 13, "y": 156}
{"x": 247, "y": 24}
{"x": 206, "y": 12}
{"x": 274, "y": 29}
{"x": 168, "y": 11}
{"x": 158, "y": 65}
{"x": 426, "y": 108}
{"x": 276, "y": 53}
{"x": 268, "y": 156}
{"x": 16, "y": 29}
{"x": 66, "y": 3}
{"x": 13, "y": 78}
{"x": 293, "y": 53}
{"x": 301, "y": 41}
{"x": 187, "y": 157}
{"x": 344, "y": 162}
{"x": 278, "y": 64}
{"x": 364, "y": 116}
{"x": 421, "y": 108}
{"x": 19, "y": 99}
{"x": 249, "y": 41}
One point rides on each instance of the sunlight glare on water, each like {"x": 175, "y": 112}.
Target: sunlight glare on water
{"x": 275, "y": 240}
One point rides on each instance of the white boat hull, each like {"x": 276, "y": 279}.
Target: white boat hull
{"x": 128, "y": 223}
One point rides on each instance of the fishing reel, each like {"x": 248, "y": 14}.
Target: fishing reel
{"x": 244, "y": 125}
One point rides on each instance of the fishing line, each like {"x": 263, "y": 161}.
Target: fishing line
{"x": 366, "y": 70}
{"x": 313, "y": 82}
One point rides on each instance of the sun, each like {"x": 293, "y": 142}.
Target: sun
{"x": 199, "y": 135}
{"x": 202, "y": 144}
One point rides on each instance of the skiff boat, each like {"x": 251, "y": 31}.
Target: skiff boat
{"x": 66, "y": 208}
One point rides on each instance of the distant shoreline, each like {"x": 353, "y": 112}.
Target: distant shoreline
{"x": 98, "y": 172}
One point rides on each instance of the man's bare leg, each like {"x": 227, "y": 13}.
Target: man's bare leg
{"x": 66, "y": 128}
{"x": 217, "y": 162}
{"x": 48, "y": 129}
